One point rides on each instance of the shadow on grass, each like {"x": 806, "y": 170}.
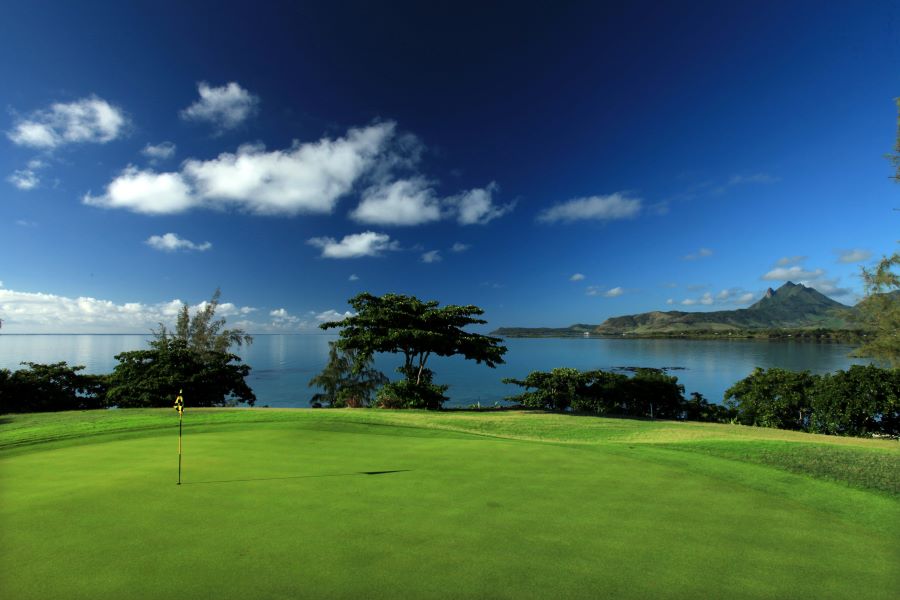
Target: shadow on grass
{"x": 296, "y": 477}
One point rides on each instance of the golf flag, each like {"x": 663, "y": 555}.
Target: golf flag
{"x": 179, "y": 406}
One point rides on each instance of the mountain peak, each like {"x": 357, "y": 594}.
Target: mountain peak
{"x": 770, "y": 292}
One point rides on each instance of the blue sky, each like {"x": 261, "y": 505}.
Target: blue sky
{"x": 551, "y": 164}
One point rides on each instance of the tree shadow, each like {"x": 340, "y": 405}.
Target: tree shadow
{"x": 296, "y": 477}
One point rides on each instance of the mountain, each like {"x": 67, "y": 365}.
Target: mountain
{"x": 792, "y": 306}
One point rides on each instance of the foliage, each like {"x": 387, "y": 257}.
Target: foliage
{"x": 772, "y": 398}
{"x": 404, "y": 324}
{"x": 649, "y": 393}
{"x": 408, "y": 394}
{"x": 50, "y": 387}
{"x": 348, "y": 380}
{"x": 879, "y": 312}
{"x": 203, "y": 332}
{"x": 698, "y": 408}
{"x": 860, "y": 401}
{"x": 894, "y": 157}
{"x": 147, "y": 378}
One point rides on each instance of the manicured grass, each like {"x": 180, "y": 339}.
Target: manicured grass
{"x": 369, "y": 504}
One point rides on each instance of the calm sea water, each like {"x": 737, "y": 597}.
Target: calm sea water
{"x": 283, "y": 364}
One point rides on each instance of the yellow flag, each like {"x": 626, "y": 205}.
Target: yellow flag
{"x": 179, "y": 403}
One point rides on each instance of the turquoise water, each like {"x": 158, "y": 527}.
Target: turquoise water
{"x": 283, "y": 364}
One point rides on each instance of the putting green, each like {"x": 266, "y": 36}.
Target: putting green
{"x": 366, "y": 504}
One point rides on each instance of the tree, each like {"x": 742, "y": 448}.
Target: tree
{"x": 50, "y": 387}
{"x": 349, "y": 379}
{"x": 895, "y": 156}
{"x": 859, "y": 401}
{"x": 396, "y": 323}
{"x": 773, "y": 398}
{"x": 193, "y": 358}
{"x": 879, "y": 312}
{"x": 203, "y": 332}
{"x": 152, "y": 378}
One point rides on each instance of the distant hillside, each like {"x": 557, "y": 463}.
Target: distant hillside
{"x": 792, "y": 306}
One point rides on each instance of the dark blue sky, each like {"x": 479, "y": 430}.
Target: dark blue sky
{"x": 585, "y": 160}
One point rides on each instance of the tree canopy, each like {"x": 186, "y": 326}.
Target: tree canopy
{"x": 418, "y": 329}
{"x": 879, "y": 312}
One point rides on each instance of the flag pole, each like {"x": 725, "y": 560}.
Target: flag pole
{"x": 179, "y": 406}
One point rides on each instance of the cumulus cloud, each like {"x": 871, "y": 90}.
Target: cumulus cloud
{"x": 161, "y": 151}
{"x": 576, "y": 277}
{"x": 795, "y": 273}
{"x": 594, "y": 290}
{"x": 598, "y": 208}
{"x": 170, "y": 242}
{"x": 307, "y": 178}
{"x": 402, "y": 202}
{"x": 35, "y": 312}
{"x": 353, "y": 277}
{"x": 432, "y": 256}
{"x": 333, "y": 315}
{"x": 854, "y": 255}
{"x": 476, "y": 206}
{"x": 736, "y": 296}
{"x": 89, "y": 120}
{"x": 786, "y": 261}
{"x": 225, "y": 106}
{"x": 701, "y": 253}
{"x": 458, "y": 247}
{"x": 814, "y": 278}
{"x": 145, "y": 192}
{"x": 355, "y": 245}
{"x": 24, "y": 179}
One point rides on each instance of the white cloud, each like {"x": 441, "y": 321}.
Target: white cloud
{"x": 736, "y": 296}
{"x": 402, "y": 202}
{"x": 576, "y": 277}
{"x": 170, "y": 242}
{"x": 670, "y": 301}
{"x": 458, "y": 247}
{"x": 762, "y": 178}
{"x": 161, "y": 151}
{"x": 795, "y": 273}
{"x": 225, "y": 106}
{"x": 688, "y": 302}
{"x": 353, "y": 277}
{"x": 706, "y": 299}
{"x": 356, "y": 245}
{"x": 333, "y": 315}
{"x": 145, "y": 192}
{"x": 853, "y": 256}
{"x": 25, "y": 223}
{"x": 90, "y": 119}
{"x": 614, "y": 292}
{"x": 601, "y": 208}
{"x": 701, "y": 253}
{"x": 35, "y": 312}
{"x": 785, "y": 261}
{"x": 476, "y": 206}
{"x": 307, "y": 178}
{"x": 24, "y": 179}
{"x": 432, "y": 256}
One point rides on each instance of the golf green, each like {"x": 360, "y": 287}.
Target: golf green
{"x": 380, "y": 504}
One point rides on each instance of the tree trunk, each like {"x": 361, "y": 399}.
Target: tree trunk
{"x": 422, "y": 358}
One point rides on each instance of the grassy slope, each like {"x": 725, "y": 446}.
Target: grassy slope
{"x": 275, "y": 505}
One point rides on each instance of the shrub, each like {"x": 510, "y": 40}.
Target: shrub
{"x": 773, "y": 398}
{"x": 407, "y": 394}
{"x": 860, "y": 401}
{"x": 50, "y": 387}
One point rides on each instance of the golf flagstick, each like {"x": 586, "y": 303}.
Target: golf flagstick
{"x": 179, "y": 406}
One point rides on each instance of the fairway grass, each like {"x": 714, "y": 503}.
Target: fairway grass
{"x": 384, "y": 504}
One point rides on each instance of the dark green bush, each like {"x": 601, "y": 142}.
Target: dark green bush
{"x": 860, "y": 401}
{"x": 152, "y": 378}
{"x": 50, "y": 387}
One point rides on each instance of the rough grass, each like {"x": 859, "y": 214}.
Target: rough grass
{"x": 348, "y": 504}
